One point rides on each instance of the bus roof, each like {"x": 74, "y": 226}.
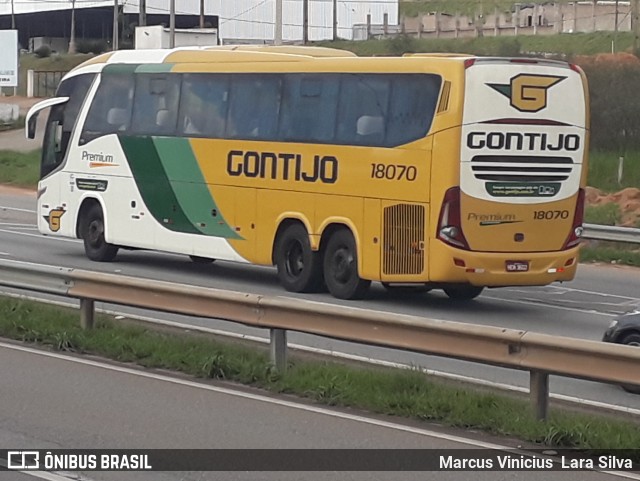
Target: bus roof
{"x": 289, "y": 49}
{"x": 243, "y": 53}
{"x": 439, "y": 55}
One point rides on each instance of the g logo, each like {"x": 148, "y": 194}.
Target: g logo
{"x": 54, "y": 219}
{"x": 528, "y": 93}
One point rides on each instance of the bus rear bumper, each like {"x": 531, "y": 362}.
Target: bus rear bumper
{"x": 499, "y": 269}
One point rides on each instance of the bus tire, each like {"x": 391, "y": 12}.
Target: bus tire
{"x": 463, "y": 292}
{"x": 201, "y": 260}
{"x": 95, "y": 246}
{"x": 341, "y": 267}
{"x": 632, "y": 339}
{"x": 299, "y": 267}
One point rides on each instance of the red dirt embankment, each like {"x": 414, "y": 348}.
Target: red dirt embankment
{"x": 627, "y": 199}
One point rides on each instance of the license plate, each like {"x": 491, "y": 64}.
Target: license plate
{"x": 517, "y": 266}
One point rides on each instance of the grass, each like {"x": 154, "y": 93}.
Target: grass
{"x": 468, "y": 7}
{"x": 408, "y": 394}
{"x": 605, "y": 214}
{"x": 603, "y": 170}
{"x": 19, "y": 168}
{"x": 561, "y": 45}
{"x": 611, "y": 253}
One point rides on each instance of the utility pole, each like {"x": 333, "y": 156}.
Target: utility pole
{"x": 635, "y": 25}
{"x": 172, "y": 24}
{"x": 115, "y": 26}
{"x": 335, "y": 20}
{"x": 13, "y": 17}
{"x": 305, "y": 22}
{"x": 142, "y": 15}
{"x": 72, "y": 36}
{"x": 201, "y": 13}
{"x": 277, "y": 35}
{"x": 615, "y": 29}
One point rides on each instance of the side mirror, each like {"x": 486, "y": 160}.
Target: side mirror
{"x": 32, "y": 116}
{"x": 32, "y": 123}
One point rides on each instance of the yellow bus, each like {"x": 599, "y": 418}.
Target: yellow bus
{"x": 436, "y": 171}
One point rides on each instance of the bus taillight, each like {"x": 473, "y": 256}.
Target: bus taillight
{"x": 576, "y": 229}
{"x": 449, "y": 222}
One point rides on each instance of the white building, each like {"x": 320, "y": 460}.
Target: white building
{"x": 246, "y": 20}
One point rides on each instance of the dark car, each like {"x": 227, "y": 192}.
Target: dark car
{"x": 625, "y": 330}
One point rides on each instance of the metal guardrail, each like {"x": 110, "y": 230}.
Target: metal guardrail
{"x": 540, "y": 354}
{"x": 611, "y": 233}
{"x": 41, "y": 83}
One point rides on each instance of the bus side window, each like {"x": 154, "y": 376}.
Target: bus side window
{"x": 254, "y": 107}
{"x": 363, "y": 97}
{"x": 155, "y": 105}
{"x": 309, "y": 107}
{"x": 203, "y": 105}
{"x": 110, "y": 111}
{"x": 413, "y": 104}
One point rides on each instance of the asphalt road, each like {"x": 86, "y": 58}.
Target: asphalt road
{"x": 53, "y": 401}
{"x": 582, "y": 308}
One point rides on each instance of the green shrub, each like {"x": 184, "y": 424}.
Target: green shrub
{"x": 603, "y": 170}
{"x": 605, "y": 214}
{"x": 91, "y": 46}
{"x": 615, "y": 104}
{"x": 43, "y": 51}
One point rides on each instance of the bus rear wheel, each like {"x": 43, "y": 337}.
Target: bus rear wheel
{"x": 299, "y": 267}
{"x": 463, "y": 293}
{"x": 341, "y": 267}
{"x": 95, "y": 246}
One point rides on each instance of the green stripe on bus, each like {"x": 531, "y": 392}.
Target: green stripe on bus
{"x": 154, "y": 68}
{"x": 190, "y": 187}
{"x": 120, "y": 68}
{"x": 154, "y": 185}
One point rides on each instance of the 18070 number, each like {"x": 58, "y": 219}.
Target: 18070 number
{"x": 550, "y": 214}
{"x": 394, "y": 172}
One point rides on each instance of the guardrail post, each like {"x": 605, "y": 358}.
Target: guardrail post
{"x": 539, "y": 392}
{"x": 86, "y": 313}
{"x": 30, "y": 83}
{"x": 279, "y": 349}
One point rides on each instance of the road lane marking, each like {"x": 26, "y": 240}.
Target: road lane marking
{"x": 291, "y": 405}
{"x": 2, "y": 207}
{"x": 254, "y": 397}
{"x": 564, "y": 290}
{"x": 336, "y": 354}
{"x": 41, "y": 236}
{"x": 551, "y": 306}
{"x": 50, "y": 476}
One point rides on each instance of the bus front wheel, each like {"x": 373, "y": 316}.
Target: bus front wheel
{"x": 463, "y": 293}
{"x": 299, "y": 268}
{"x": 95, "y": 246}
{"x": 341, "y": 267}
